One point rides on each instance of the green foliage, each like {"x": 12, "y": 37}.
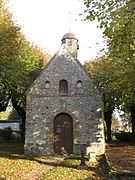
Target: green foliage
{"x": 117, "y": 17}
{"x": 20, "y": 61}
{"x": 107, "y": 11}
{"x": 20, "y": 64}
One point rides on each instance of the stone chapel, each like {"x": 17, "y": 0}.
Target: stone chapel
{"x": 64, "y": 107}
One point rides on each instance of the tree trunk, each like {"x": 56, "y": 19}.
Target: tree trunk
{"x": 132, "y": 110}
{"x": 108, "y": 121}
{"x": 22, "y": 113}
{"x": 107, "y": 115}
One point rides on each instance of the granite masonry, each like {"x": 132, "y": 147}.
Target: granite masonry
{"x": 64, "y": 107}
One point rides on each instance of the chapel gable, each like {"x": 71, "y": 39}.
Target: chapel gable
{"x": 64, "y": 107}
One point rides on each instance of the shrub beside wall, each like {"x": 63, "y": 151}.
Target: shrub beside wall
{"x": 125, "y": 137}
{"x": 6, "y": 133}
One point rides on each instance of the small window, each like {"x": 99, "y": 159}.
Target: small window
{"x": 47, "y": 84}
{"x": 63, "y": 88}
{"x": 79, "y": 84}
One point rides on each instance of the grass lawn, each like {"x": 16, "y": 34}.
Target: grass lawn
{"x": 15, "y": 165}
{"x": 68, "y": 170}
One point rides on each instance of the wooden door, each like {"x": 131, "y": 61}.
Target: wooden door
{"x": 63, "y": 134}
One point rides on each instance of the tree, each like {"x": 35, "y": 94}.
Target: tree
{"x": 117, "y": 19}
{"x": 8, "y": 50}
{"x": 20, "y": 64}
{"x": 109, "y": 11}
{"x": 32, "y": 60}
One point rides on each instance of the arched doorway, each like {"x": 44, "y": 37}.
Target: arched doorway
{"x": 63, "y": 133}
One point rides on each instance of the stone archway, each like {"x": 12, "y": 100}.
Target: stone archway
{"x": 63, "y": 133}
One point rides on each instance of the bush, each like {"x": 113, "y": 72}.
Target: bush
{"x": 7, "y": 132}
{"x": 125, "y": 136}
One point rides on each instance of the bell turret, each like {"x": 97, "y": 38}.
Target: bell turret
{"x": 71, "y": 41}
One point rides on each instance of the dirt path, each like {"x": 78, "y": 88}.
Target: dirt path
{"x": 48, "y": 165}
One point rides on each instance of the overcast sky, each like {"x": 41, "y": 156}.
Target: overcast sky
{"x": 44, "y": 22}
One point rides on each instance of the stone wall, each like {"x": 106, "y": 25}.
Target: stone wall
{"x": 83, "y": 104}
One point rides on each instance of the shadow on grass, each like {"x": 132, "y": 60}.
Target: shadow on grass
{"x": 15, "y": 152}
{"x": 67, "y": 163}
